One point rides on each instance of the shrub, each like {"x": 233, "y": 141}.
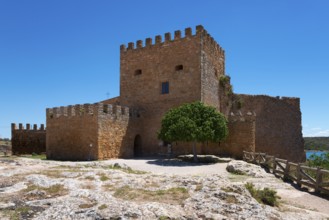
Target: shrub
{"x": 266, "y": 196}
{"x": 319, "y": 161}
{"x": 223, "y": 80}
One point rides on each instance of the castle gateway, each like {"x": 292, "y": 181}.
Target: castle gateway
{"x": 156, "y": 76}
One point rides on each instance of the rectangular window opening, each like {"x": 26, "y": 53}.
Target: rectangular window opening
{"x": 165, "y": 88}
{"x": 179, "y": 67}
{"x": 138, "y": 72}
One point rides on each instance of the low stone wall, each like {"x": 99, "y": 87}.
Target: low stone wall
{"x": 88, "y": 132}
{"x": 27, "y": 140}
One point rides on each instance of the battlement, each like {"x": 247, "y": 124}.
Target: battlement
{"x": 28, "y": 127}
{"x": 159, "y": 41}
{"x": 87, "y": 110}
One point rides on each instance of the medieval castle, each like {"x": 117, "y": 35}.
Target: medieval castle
{"x": 155, "y": 77}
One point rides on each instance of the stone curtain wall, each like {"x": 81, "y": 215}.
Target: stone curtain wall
{"x": 241, "y": 136}
{"x": 88, "y": 132}
{"x": 28, "y": 140}
{"x": 278, "y": 125}
{"x": 70, "y": 132}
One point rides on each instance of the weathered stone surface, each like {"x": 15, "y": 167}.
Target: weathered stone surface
{"x": 9, "y": 205}
{"x": 244, "y": 168}
{"x": 88, "y": 196}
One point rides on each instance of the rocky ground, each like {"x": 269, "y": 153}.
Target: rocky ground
{"x": 145, "y": 189}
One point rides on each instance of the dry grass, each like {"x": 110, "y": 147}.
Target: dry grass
{"x": 126, "y": 170}
{"x": 104, "y": 206}
{"x": 151, "y": 184}
{"x": 50, "y": 192}
{"x": 87, "y": 205}
{"x": 171, "y": 196}
{"x": 231, "y": 199}
{"x": 103, "y": 177}
{"x": 52, "y": 173}
{"x": 90, "y": 178}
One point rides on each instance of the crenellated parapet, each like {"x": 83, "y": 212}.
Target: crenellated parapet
{"x": 28, "y": 139}
{"x": 159, "y": 40}
{"x": 210, "y": 43}
{"x": 88, "y": 110}
{"x": 28, "y": 127}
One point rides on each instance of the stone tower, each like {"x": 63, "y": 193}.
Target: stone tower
{"x": 155, "y": 77}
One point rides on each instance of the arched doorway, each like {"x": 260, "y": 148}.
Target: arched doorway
{"x": 138, "y": 146}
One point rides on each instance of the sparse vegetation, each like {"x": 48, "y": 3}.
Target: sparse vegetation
{"x": 102, "y": 207}
{"x": 172, "y": 196}
{"x": 239, "y": 103}
{"x": 87, "y": 205}
{"x": 103, "y": 177}
{"x": 319, "y": 161}
{"x": 126, "y": 170}
{"x": 90, "y": 178}
{"x": 54, "y": 190}
{"x": 18, "y": 212}
{"x": 229, "y": 91}
{"x": 265, "y": 196}
{"x": 35, "y": 156}
{"x": 223, "y": 80}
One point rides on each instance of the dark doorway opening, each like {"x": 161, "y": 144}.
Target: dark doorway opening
{"x": 138, "y": 146}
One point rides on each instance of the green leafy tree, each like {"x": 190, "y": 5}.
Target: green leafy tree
{"x": 193, "y": 122}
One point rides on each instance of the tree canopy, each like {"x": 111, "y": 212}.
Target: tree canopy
{"x": 193, "y": 122}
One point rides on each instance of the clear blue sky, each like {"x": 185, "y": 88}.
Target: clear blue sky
{"x": 57, "y": 53}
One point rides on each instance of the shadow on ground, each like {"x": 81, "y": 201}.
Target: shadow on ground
{"x": 175, "y": 163}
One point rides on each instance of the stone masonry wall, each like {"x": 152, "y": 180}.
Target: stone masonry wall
{"x": 242, "y": 129}
{"x": 143, "y": 69}
{"x": 72, "y": 133}
{"x": 27, "y": 140}
{"x": 116, "y": 132}
{"x": 177, "y": 61}
{"x": 278, "y": 125}
{"x": 212, "y": 68}
{"x": 90, "y": 132}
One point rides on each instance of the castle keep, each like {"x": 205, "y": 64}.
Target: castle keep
{"x": 156, "y": 76}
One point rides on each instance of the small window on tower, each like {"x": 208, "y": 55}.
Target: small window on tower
{"x": 165, "y": 88}
{"x": 138, "y": 72}
{"x": 179, "y": 67}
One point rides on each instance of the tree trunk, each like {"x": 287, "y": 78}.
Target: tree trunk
{"x": 195, "y": 158}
